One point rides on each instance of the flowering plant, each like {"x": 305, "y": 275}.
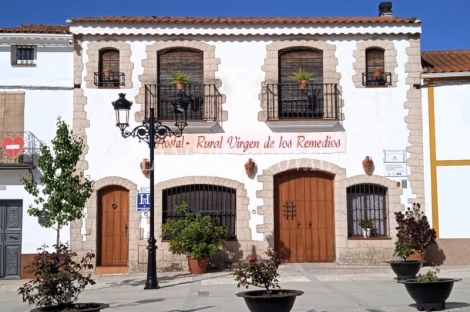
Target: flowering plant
{"x": 260, "y": 273}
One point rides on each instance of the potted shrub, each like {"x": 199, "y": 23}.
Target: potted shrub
{"x": 428, "y": 291}
{"x": 58, "y": 281}
{"x": 179, "y": 79}
{"x": 196, "y": 236}
{"x": 366, "y": 225}
{"x": 264, "y": 274}
{"x": 404, "y": 269}
{"x": 378, "y": 73}
{"x": 302, "y": 77}
{"x": 413, "y": 227}
{"x": 107, "y": 72}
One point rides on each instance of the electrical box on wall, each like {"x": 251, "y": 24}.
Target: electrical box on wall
{"x": 404, "y": 183}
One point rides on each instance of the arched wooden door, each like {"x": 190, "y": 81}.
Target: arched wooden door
{"x": 113, "y": 226}
{"x": 304, "y": 216}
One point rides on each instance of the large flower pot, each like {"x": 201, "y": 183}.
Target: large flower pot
{"x": 79, "y": 307}
{"x": 280, "y": 300}
{"x": 197, "y": 266}
{"x": 405, "y": 270}
{"x": 430, "y": 296}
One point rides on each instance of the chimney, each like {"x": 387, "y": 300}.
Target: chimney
{"x": 385, "y": 9}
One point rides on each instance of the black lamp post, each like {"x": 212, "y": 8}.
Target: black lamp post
{"x": 152, "y": 131}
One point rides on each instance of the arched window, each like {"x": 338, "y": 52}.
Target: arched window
{"x": 108, "y": 72}
{"x": 293, "y": 101}
{"x": 191, "y": 62}
{"x": 367, "y": 201}
{"x": 206, "y": 199}
{"x": 375, "y": 67}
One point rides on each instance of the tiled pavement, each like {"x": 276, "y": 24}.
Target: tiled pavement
{"x": 327, "y": 287}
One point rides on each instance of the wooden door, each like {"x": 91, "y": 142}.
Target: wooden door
{"x": 113, "y": 226}
{"x": 304, "y": 216}
{"x": 10, "y": 238}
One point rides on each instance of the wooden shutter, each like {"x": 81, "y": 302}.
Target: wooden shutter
{"x": 109, "y": 58}
{"x": 309, "y": 60}
{"x": 189, "y": 61}
{"x": 12, "y": 111}
{"x": 374, "y": 59}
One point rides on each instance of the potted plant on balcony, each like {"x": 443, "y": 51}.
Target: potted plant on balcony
{"x": 58, "y": 281}
{"x": 107, "y": 72}
{"x": 302, "y": 77}
{"x": 404, "y": 269}
{"x": 366, "y": 226}
{"x": 196, "y": 236}
{"x": 179, "y": 79}
{"x": 264, "y": 274}
{"x": 377, "y": 73}
{"x": 428, "y": 291}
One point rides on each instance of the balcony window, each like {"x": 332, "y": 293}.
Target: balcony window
{"x": 108, "y": 74}
{"x": 375, "y": 74}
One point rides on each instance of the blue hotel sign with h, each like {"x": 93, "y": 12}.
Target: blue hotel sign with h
{"x": 143, "y": 202}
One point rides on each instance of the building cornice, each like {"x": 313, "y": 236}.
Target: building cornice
{"x": 445, "y": 75}
{"x": 36, "y": 39}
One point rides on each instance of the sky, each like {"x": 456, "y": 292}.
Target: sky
{"x": 446, "y": 23}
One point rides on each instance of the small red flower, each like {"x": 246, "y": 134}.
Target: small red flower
{"x": 253, "y": 260}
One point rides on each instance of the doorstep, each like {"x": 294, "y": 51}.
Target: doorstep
{"x": 100, "y": 270}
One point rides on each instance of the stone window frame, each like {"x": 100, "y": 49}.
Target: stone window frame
{"x": 390, "y": 60}
{"x": 340, "y": 183}
{"x": 271, "y": 68}
{"x": 125, "y": 64}
{"x": 85, "y": 243}
{"x": 150, "y": 70}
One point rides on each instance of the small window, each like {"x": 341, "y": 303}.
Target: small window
{"x": 210, "y": 200}
{"x": 108, "y": 74}
{"x": 375, "y": 74}
{"x": 367, "y": 201}
{"x": 23, "y": 55}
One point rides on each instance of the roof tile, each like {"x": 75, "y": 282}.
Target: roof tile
{"x": 445, "y": 61}
{"x": 37, "y": 29}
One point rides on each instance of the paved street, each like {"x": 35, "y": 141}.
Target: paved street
{"x": 327, "y": 287}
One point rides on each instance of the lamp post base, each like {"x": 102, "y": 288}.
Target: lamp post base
{"x": 152, "y": 281}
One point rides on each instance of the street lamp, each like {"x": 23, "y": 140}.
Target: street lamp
{"x": 152, "y": 131}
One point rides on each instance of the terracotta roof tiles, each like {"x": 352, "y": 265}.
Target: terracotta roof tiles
{"x": 239, "y": 20}
{"x": 37, "y": 29}
{"x": 446, "y": 61}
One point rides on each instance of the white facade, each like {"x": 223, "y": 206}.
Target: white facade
{"x": 243, "y": 60}
{"x": 47, "y": 86}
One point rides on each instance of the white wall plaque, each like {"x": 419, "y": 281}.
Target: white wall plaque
{"x": 394, "y": 156}
{"x": 145, "y": 189}
{"x": 395, "y": 170}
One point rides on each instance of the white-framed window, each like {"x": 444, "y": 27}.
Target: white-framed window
{"x": 23, "y": 55}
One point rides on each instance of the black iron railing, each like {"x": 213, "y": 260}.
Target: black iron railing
{"x": 369, "y": 79}
{"x": 19, "y": 150}
{"x": 204, "y": 101}
{"x": 315, "y": 101}
{"x": 110, "y": 79}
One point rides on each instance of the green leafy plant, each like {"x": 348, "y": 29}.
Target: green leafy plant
{"x": 403, "y": 250}
{"x": 260, "y": 273}
{"x": 430, "y": 276}
{"x": 58, "y": 278}
{"x": 180, "y": 76}
{"x": 194, "y": 235}
{"x": 366, "y": 223}
{"x": 413, "y": 227}
{"x": 300, "y": 75}
{"x": 65, "y": 191}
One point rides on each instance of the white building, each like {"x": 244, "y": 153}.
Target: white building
{"x": 446, "y": 116}
{"x": 309, "y": 189}
{"x": 35, "y": 88}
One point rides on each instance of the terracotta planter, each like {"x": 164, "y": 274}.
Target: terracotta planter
{"x": 197, "y": 266}
{"x": 303, "y": 84}
{"x": 249, "y": 167}
{"x": 377, "y": 73}
{"x": 107, "y": 72}
{"x": 145, "y": 166}
{"x": 417, "y": 256}
{"x": 180, "y": 85}
{"x": 367, "y": 164}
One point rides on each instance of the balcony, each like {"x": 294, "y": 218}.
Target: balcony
{"x": 315, "y": 108}
{"x": 204, "y": 110}
{"x": 109, "y": 79}
{"x": 370, "y": 80}
{"x": 19, "y": 150}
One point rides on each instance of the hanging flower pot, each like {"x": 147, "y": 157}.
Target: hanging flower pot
{"x": 378, "y": 73}
{"x": 250, "y": 167}
{"x": 367, "y": 164}
{"x": 180, "y": 85}
{"x": 303, "y": 84}
{"x": 107, "y": 72}
{"x": 145, "y": 166}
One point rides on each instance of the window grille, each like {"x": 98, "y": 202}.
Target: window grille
{"x": 206, "y": 199}
{"x": 367, "y": 201}
{"x": 25, "y": 55}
